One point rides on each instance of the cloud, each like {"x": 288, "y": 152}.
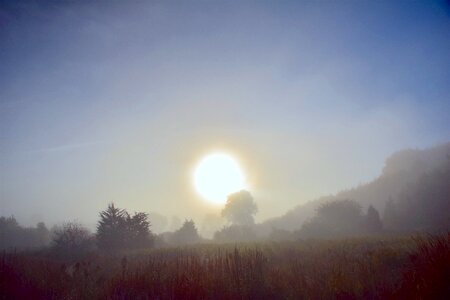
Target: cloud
{"x": 67, "y": 147}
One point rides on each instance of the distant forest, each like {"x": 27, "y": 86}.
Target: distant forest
{"x": 411, "y": 195}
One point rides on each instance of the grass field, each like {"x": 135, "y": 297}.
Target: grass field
{"x": 364, "y": 268}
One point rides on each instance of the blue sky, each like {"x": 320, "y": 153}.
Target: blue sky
{"x": 105, "y": 102}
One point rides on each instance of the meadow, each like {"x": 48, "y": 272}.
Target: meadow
{"x": 358, "y": 268}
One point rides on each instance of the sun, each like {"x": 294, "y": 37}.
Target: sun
{"x": 218, "y": 175}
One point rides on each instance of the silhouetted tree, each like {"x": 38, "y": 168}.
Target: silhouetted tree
{"x": 72, "y": 240}
{"x": 8, "y": 222}
{"x": 12, "y": 235}
{"x": 187, "y": 234}
{"x": 138, "y": 231}
{"x": 423, "y": 205}
{"x": 9, "y": 232}
{"x": 372, "y": 220}
{"x": 240, "y": 208}
{"x": 333, "y": 219}
{"x": 403, "y": 171}
{"x": 117, "y": 230}
{"x": 112, "y": 229}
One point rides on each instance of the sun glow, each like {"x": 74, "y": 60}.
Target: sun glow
{"x": 218, "y": 175}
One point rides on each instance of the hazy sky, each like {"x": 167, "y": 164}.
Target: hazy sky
{"x": 117, "y": 102}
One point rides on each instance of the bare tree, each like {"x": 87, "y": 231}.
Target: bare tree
{"x": 72, "y": 239}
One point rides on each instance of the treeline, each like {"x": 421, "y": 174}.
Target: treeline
{"x": 12, "y": 235}
{"x": 422, "y": 204}
{"x": 334, "y": 219}
{"x": 117, "y": 230}
{"x": 411, "y": 194}
{"x": 341, "y": 219}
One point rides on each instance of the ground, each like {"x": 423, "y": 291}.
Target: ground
{"x": 360, "y": 268}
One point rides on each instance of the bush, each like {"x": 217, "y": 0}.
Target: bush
{"x": 235, "y": 233}
{"x": 72, "y": 240}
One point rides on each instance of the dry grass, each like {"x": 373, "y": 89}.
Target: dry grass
{"x": 398, "y": 268}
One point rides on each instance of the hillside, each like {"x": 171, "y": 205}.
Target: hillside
{"x": 402, "y": 170}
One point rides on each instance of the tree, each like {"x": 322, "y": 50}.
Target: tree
{"x": 72, "y": 239}
{"x": 117, "y": 230}
{"x": 12, "y": 235}
{"x": 422, "y": 205}
{"x": 187, "y": 234}
{"x": 335, "y": 218}
{"x": 345, "y": 214}
{"x": 138, "y": 231}
{"x": 240, "y": 208}
{"x": 111, "y": 228}
{"x": 373, "y": 222}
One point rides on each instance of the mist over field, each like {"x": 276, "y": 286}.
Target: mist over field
{"x": 106, "y": 102}
{"x": 224, "y": 149}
